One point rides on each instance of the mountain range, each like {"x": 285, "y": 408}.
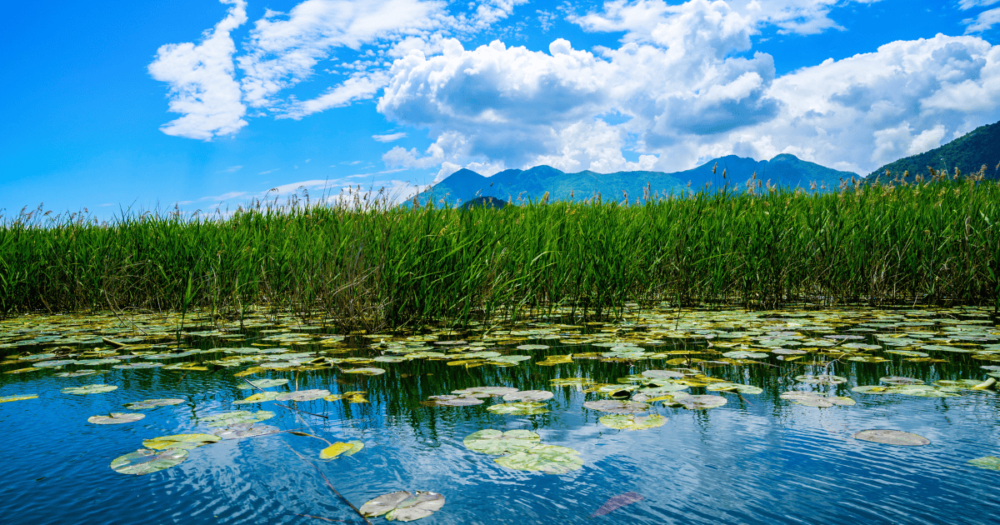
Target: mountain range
{"x": 968, "y": 153}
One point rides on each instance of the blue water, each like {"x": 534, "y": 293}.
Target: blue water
{"x": 758, "y": 459}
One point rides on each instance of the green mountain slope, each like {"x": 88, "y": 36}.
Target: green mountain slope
{"x": 786, "y": 170}
{"x": 968, "y": 153}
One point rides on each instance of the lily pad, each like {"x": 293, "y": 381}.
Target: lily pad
{"x": 662, "y": 374}
{"x": 698, "y": 402}
{"x": 895, "y": 380}
{"x": 303, "y": 395}
{"x": 403, "y": 506}
{"x": 734, "y": 387}
{"x": 7, "y": 399}
{"x": 867, "y": 359}
{"x": 259, "y": 397}
{"x": 965, "y": 384}
{"x": 54, "y": 364}
{"x": 821, "y": 380}
{"x": 152, "y": 403}
{"x": 185, "y": 441}
{"x": 116, "y": 418}
{"x": 368, "y": 371}
{"x": 550, "y": 459}
{"x": 988, "y": 462}
{"x": 341, "y": 449}
{"x": 144, "y": 461}
{"x": 246, "y": 431}
{"x": 529, "y": 395}
{"x": 812, "y": 399}
{"x": 533, "y": 347}
{"x": 485, "y": 391}
{"x": 743, "y": 354}
{"x": 137, "y": 366}
{"x": 632, "y": 422}
{"x": 454, "y": 401}
{"x": 525, "y": 408}
{"x": 236, "y": 417}
{"x": 78, "y": 373}
{"x": 89, "y": 389}
{"x": 495, "y": 442}
{"x": 892, "y": 437}
{"x": 617, "y": 407}
{"x": 263, "y": 383}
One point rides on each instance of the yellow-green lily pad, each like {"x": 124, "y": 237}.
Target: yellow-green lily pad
{"x": 632, "y": 422}
{"x": 116, "y": 418}
{"x": 89, "y": 389}
{"x": 341, "y": 449}
{"x": 185, "y": 441}
{"x": 144, "y": 461}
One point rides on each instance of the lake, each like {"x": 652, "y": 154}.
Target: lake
{"x": 789, "y": 391}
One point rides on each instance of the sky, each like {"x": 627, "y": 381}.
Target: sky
{"x": 122, "y": 106}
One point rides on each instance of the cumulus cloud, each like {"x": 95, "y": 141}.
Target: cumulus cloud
{"x": 985, "y": 21}
{"x": 671, "y": 78}
{"x": 202, "y": 86}
{"x": 284, "y": 49}
{"x": 872, "y": 108}
{"x": 358, "y": 87}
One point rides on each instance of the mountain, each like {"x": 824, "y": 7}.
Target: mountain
{"x": 968, "y": 153}
{"x": 785, "y": 170}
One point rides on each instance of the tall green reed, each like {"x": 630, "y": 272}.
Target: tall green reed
{"x": 370, "y": 265}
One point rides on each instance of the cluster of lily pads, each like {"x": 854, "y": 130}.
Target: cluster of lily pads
{"x": 523, "y": 450}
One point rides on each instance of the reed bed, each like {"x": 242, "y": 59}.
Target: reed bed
{"x": 369, "y": 265}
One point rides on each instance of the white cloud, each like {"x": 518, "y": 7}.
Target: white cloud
{"x": 202, "y": 86}
{"x": 969, "y": 4}
{"x": 389, "y": 137}
{"x": 358, "y": 87}
{"x": 231, "y": 169}
{"x": 285, "y": 48}
{"x": 985, "y": 21}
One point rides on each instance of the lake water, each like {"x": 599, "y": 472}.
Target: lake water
{"x": 759, "y": 458}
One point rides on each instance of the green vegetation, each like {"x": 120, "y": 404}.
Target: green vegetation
{"x": 968, "y": 154}
{"x": 378, "y": 266}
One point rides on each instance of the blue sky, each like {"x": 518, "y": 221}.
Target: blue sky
{"x": 202, "y": 103}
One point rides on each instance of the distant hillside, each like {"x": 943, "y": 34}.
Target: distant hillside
{"x": 968, "y": 153}
{"x": 786, "y": 170}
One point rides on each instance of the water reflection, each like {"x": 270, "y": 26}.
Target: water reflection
{"x": 758, "y": 459}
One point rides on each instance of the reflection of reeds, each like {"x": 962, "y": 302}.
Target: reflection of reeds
{"x": 371, "y": 266}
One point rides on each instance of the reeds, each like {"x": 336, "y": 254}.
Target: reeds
{"x": 374, "y": 266}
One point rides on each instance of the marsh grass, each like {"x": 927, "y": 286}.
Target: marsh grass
{"x": 369, "y": 265}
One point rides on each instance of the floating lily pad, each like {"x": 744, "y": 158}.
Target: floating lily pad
{"x": 988, "y": 462}
{"x": 533, "y": 347}
{"x": 663, "y": 374}
{"x": 263, "y": 383}
{"x": 116, "y": 418}
{"x": 403, "y": 506}
{"x": 510, "y": 359}
{"x": 550, "y": 459}
{"x": 185, "y": 441}
{"x": 529, "y": 395}
{"x": 55, "y": 363}
{"x": 495, "y": 442}
{"x": 368, "y": 371}
{"x": 632, "y": 422}
{"x": 144, "y": 461}
{"x": 892, "y": 437}
{"x": 944, "y": 348}
{"x": 965, "y": 384}
{"x": 236, "y": 417}
{"x": 571, "y": 381}
{"x": 734, "y": 387}
{"x": 906, "y": 353}
{"x": 78, "y": 373}
{"x": 821, "y": 380}
{"x": 812, "y": 399}
{"x": 698, "y": 402}
{"x": 454, "y": 401}
{"x": 137, "y": 366}
{"x": 526, "y": 408}
{"x": 89, "y": 389}
{"x": 788, "y": 351}
{"x": 341, "y": 449}
{"x": 895, "y": 380}
{"x": 867, "y": 359}
{"x": 247, "y": 431}
{"x": 259, "y": 397}
{"x": 152, "y": 403}
{"x": 485, "y": 391}
{"x": 303, "y": 395}
{"x": 743, "y": 354}
{"x": 617, "y": 407}
{"x": 8, "y": 399}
